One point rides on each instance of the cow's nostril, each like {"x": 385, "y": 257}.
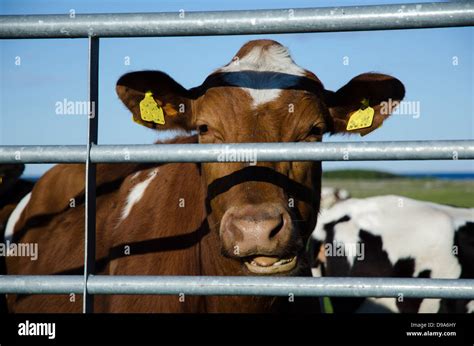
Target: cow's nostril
{"x": 277, "y": 228}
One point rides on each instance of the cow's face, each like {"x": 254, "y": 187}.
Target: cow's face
{"x": 262, "y": 211}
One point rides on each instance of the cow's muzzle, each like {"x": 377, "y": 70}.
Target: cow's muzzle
{"x": 260, "y": 235}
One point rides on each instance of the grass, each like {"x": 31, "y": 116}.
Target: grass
{"x": 453, "y": 192}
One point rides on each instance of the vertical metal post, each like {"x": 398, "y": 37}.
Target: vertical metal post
{"x": 90, "y": 172}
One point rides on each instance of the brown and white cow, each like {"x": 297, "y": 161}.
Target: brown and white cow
{"x": 200, "y": 219}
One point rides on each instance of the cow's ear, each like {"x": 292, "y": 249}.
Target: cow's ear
{"x": 156, "y": 100}
{"x": 363, "y": 104}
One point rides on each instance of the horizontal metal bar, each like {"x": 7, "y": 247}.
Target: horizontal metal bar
{"x": 41, "y": 284}
{"x": 293, "y": 20}
{"x": 241, "y": 285}
{"x": 43, "y": 154}
{"x": 243, "y": 152}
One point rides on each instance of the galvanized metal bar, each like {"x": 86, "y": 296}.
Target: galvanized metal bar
{"x": 41, "y": 284}
{"x": 242, "y": 285}
{"x": 90, "y": 184}
{"x": 43, "y": 154}
{"x": 292, "y": 20}
{"x": 242, "y": 152}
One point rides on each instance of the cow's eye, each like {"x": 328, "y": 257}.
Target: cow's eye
{"x": 315, "y": 131}
{"x": 202, "y": 129}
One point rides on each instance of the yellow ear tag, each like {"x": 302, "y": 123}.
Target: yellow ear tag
{"x": 150, "y": 111}
{"x": 360, "y": 119}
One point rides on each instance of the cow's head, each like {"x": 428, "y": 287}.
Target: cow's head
{"x": 262, "y": 211}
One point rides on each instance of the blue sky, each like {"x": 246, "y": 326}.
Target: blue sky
{"x": 436, "y": 66}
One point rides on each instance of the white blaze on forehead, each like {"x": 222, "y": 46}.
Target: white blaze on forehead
{"x": 273, "y": 58}
{"x": 136, "y": 194}
{"x": 15, "y": 216}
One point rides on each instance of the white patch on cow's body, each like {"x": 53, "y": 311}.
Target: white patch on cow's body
{"x": 389, "y": 305}
{"x": 274, "y": 58}
{"x": 136, "y": 194}
{"x": 316, "y": 272}
{"x": 430, "y": 306}
{"x": 459, "y": 216}
{"x": 395, "y": 220}
{"x": 15, "y": 216}
{"x": 470, "y": 307}
{"x": 378, "y": 305}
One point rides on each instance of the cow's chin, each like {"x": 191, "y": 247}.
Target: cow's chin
{"x": 267, "y": 265}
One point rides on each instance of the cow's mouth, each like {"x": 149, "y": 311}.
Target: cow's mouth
{"x": 270, "y": 265}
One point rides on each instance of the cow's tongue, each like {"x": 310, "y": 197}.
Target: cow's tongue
{"x": 263, "y": 261}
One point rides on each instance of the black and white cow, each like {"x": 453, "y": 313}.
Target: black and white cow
{"x": 394, "y": 236}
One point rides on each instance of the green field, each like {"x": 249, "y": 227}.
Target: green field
{"x": 453, "y": 192}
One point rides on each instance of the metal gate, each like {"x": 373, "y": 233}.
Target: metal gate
{"x": 94, "y": 26}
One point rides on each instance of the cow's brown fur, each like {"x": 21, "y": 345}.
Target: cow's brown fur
{"x": 160, "y": 236}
